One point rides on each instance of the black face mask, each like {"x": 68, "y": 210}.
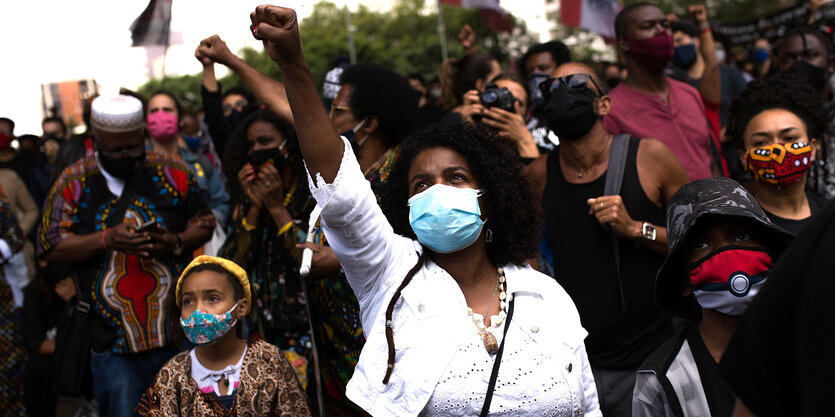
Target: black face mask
{"x": 815, "y": 76}
{"x": 612, "y": 82}
{"x": 570, "y": 113}
{"x": 122, "y": 168}
{"x": 265, "y": 156}
{"x": 233, "y": 119}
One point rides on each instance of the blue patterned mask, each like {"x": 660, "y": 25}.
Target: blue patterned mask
{"x": 446, "y": 219}
{"x": 202, "y": 328}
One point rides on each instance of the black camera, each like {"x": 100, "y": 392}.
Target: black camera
{"x": 493, "y": 96}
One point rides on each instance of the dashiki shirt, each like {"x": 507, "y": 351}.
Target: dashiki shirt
{"x": 267, "y": 387}
{"x": 12, "y": 352}
{"x": 129, "y": 293}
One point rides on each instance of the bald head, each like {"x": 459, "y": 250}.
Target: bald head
{"x": 569, "y": 68}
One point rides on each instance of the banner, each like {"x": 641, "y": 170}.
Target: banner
{"x": 151, "y": 27}
{"x": 492, "y": 14}
{"x": 596, "y": 16}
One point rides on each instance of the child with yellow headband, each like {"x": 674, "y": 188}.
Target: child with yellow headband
{"x": 224, "y": 375}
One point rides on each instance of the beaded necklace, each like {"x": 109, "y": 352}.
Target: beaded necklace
{"x": 486, "y": 333}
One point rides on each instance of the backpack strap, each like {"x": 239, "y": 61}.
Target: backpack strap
{"x": 614, "y": 180}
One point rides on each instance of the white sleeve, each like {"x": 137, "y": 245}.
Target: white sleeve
{"x": 592, "y": 405}
{"x": 371, "y": 254}
{"x": 5, "y": 250}
{"x": 648, "y": 397}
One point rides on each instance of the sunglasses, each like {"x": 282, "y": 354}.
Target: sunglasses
{"x": 573, "y": 82}
{"x": 237, "y": 105}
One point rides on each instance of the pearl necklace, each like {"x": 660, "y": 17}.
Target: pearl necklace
{"x": 486, "y": 333}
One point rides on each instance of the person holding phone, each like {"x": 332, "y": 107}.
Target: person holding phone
{"x": 90, "y": 220}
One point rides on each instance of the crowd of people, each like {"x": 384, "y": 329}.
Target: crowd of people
{"x": 648, "y": 238}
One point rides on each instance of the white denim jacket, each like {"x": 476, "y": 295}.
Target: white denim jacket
{"x": 376, "y": 260}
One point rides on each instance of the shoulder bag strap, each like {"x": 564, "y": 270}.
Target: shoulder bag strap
{"x": 485, "y": 410}
{"x": 614, "y": 180}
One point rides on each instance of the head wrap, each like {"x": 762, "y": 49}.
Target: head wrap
{"x": 227, "y": 265}
{"x": 117, "y": 113}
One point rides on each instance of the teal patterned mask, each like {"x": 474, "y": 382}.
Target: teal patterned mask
{"x": 202, "y": 328}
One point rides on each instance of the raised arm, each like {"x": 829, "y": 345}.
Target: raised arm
{"x": 320, "y": 144}
{"x": 711, "y": 86}
{"x": 268, "y": 90}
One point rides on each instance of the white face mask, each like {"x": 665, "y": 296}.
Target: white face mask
{"x": 720, "y": 55}
{"x": 357, "y": 129}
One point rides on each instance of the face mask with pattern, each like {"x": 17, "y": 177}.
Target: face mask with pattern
{"x": 779, "y": 164}
{"x": 203, "y": 328}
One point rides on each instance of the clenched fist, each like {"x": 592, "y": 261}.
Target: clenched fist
{"x": 278, "y": 28}
{"x": 215, "y": 49}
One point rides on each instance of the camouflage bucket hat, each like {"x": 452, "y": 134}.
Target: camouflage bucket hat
{"x": 703, "y": 198}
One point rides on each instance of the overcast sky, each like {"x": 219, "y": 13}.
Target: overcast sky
{"x": 57, "y": 40}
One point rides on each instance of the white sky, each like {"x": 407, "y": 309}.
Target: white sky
{"x": 50, "y": 41}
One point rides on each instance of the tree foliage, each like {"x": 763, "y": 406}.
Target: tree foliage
{"x": 404, "y": 39}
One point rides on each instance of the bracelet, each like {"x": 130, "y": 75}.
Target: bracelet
{"x": 103, "y": 240}
{"x": 704, "y": 29}
{"x": 248, "y": 227}
{"x": 285, "y": 228}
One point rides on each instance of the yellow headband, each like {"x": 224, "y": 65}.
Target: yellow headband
{"x": 227, "y": 265}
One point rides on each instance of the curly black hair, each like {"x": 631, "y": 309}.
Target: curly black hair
{"x": 782, "y": 91}
{"x": 236, "y": 150}
{"x": 381, "y": 92}
{"x": 515, "y": 216}
{"x": 558, "y": 50}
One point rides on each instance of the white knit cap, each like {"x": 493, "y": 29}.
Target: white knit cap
{"x": 118, "y": 113}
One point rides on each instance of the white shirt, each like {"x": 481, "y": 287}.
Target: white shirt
{"x": 207, "y": 379}
{"x": 432, "y": 331}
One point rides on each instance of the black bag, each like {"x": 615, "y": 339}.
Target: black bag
{"x": 74, "y": 339}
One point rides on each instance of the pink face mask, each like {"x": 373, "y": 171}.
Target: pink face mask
{"x": 654, "y": 52}
{"x": 163, "y": 126}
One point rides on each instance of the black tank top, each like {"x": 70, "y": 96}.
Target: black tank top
{"x": 584, "y": 265}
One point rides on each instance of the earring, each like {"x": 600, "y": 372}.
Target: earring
{"x": 488, "y": 237}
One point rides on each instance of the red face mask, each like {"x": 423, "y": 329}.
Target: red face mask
{"x": 5, "y": 141}
{"x": 727, "y": 279}
{"x": 654, "y": 52}
{"x": 779, "y": 164}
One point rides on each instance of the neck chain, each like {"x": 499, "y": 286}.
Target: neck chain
{"x": 486, "y": 333}
{"x": 582, "y": 172}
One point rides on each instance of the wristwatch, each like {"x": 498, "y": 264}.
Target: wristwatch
{"x": 648, "y": 231}
{"x": 178, "y": 250}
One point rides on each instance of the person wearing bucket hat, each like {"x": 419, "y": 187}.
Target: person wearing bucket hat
{"x": 223, "y": 373}
{"x": 721, "y": 248}
{"x": 778, "y": 125}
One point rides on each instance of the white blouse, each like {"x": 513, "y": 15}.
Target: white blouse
{"x": 441, "y": 366}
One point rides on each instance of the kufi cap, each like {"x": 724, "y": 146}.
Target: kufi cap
{"x": 226, "y": 264}
{"x": 118, "y": 113}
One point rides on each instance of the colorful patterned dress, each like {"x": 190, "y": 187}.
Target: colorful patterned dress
{"x": 129, "y": 293}
{"x": 267, "y": 387}
{"x": 12, "y": 351}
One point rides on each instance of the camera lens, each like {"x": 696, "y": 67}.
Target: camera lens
{"x": 489, "y": 96}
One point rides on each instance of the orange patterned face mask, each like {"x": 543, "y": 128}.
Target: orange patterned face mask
{"x": 780, "y": 164}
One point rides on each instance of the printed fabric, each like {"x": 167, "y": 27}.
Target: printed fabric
{"x": 12, "y": 348}
{"x": 129, "y": 293}
{"x": 267, "y": 386}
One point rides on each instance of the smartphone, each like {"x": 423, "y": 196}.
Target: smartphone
{"x": 149, "y": 226}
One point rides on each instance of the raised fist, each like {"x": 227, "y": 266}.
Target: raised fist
{"x": 215, "y": 49}
{"x": 279, "y": 29}
{"x": 698, "y": 13}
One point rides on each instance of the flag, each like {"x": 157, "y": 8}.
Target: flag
{"x": 596, "y": 16}
{"x": 493, "y": 16}
{"x": 151, "y": 27}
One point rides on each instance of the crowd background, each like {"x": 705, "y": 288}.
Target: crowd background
{"x": 230, "y": 173}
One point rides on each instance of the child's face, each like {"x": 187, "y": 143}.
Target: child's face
{"x": 717, "y": 233}
{"x": 210, "y": 292}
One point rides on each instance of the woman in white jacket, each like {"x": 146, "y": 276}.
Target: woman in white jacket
{"x": 446, "y": 299}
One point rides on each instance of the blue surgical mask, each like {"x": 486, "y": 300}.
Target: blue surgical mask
{"x": 193, "y": 142}
{"x": 761, "y": 54}
{"x": 446, "y": 219}
{"x": 684, "y": 56}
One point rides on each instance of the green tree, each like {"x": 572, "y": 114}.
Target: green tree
{"x": 404, "y": 39}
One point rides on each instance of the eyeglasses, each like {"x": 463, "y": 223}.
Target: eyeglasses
{"x": 336, "y": 109}
{"x": 573, "y": 82}
{"x": 134, "y": 152}
{"x": 238, "y": 105}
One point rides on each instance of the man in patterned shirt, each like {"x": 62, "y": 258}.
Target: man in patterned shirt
{"x": 92, "y": 219}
